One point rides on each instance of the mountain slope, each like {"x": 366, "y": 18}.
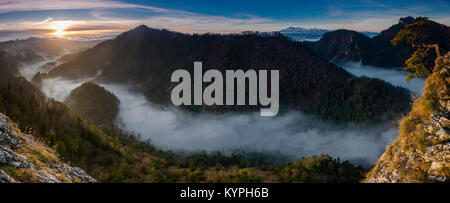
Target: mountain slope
{"x": 378, "y": 50}
{"x": 25, "y": 159}
{"x": 83, "y": 144}
{"x": 8, "y": 66}
{"x": 422, "y": 150}
{"x": 146, "y": 58}
{"x": 343, "y": 45}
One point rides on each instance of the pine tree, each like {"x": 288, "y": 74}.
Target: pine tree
{"x": 409, "y": 35}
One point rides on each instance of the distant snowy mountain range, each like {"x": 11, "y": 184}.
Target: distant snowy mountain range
{"x": 311, "y": 34}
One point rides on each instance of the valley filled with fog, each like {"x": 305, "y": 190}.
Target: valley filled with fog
{"x": 394, "y": 76}
{"x": 29, "y": 70}
{"x": 292, "y": 134}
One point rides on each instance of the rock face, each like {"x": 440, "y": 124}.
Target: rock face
{"x": 24, "y": 159}
{"x": 422, "y": 151}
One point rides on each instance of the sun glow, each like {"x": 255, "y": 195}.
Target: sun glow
{"x": 59, "y": 27}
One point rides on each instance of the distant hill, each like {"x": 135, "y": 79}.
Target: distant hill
{"x": 147, "y": 57}
{"x": 23, "y": 57}
{"x": 35, "y": 49}
{"x": 347, "y": 45}
{"x": 343, "y": 45}
{"x": 303, "y": 34}
{"x": 312, "y": 34}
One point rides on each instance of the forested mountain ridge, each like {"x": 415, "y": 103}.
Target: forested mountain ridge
{"x": 146, "y": 58}
{"x": 421, "y": 153}
{"x": 347, "y": 45}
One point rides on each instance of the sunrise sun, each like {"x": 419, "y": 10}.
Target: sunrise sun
{"x": 59, "y": 27}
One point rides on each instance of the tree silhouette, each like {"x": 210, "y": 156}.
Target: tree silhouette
{"x": 409, "y": 35}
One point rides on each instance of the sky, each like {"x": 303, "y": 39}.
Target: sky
{"x": 91, "y": 19}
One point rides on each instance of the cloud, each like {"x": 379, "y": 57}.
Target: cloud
{"x": 95, "y": 26}
{"x": 11, "y": 34}
{"x": 26, "y": 5}
{"x": 45, "y": 21}
{"x": 104, "y": 19}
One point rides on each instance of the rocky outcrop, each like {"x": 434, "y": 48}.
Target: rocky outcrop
{"x": 4, "y": 178}
{"x": 422, "y": 151}
{"x": 24, "y": 159}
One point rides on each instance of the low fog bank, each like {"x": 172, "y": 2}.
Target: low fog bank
{"x": 59, "y": 89}
{"x": 29, "y": 70}
{"x": 293, "y": 134}
{"x": 393, "y": 76}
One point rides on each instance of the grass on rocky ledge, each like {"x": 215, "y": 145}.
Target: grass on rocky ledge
{"x": 412, "y": 133}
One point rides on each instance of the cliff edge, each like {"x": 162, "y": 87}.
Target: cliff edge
{"x": 422, "y": 151}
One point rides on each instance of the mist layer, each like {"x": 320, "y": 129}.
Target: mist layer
{"x": 394, "y": 76}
